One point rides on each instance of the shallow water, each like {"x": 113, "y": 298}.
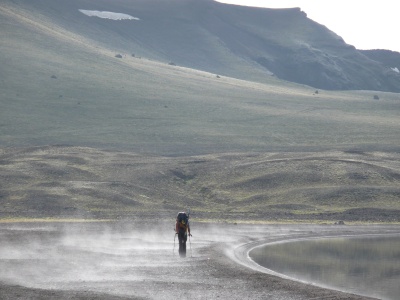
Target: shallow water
{"x": 367, "y": 266}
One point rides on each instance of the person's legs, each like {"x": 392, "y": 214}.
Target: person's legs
{"x": 182, "y": 243}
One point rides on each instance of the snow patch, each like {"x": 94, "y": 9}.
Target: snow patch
{"x": 108, "y": 15}
{"x": 395, "y": 70}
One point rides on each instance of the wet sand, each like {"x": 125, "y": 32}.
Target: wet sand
{"x": 139, "y": 261}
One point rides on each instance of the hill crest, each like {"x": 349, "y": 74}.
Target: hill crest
{"x": 241, "y": 42}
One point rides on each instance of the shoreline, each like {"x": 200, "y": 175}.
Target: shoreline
{"x": 116, "y": 261}
{"x": 242, "y": 253}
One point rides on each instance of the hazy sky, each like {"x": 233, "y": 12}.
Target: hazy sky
{"x": 365, "y": 24}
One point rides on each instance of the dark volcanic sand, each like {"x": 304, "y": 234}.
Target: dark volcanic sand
{"x": 138, "y": 261}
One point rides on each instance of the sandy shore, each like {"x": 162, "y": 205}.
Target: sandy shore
{"x": 139, "y": 261}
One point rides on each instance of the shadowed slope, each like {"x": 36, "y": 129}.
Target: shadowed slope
{"x": 241, "y": 42}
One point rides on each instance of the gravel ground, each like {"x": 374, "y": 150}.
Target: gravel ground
{"x": 140, "y": 261}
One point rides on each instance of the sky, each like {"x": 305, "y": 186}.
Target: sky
{"x": 365, "y": 24}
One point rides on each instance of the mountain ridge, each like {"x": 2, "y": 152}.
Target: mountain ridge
{"x": 241, "y": 42}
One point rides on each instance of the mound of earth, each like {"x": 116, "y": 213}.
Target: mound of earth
{"x": 76, "y": 182}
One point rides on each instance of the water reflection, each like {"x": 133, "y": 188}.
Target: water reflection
{"x": 365, "y": 266}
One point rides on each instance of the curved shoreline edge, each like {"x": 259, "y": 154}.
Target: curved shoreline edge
{"x": 241, "y": 254}
{"x": 118, "y": 262}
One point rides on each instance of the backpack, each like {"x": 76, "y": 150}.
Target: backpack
{"x": 182, "y": 219}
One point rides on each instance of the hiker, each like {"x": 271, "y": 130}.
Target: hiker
{"x": 182, "y": 228}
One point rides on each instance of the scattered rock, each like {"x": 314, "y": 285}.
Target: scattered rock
{"x": 172, "y": 63}
{"x": 118, "y": 56}
{"x": 339, "y": 223}
{"x": 53, "y": 76}
{"x": 376, "y": 97}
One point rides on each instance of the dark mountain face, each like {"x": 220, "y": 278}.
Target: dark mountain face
{"x": 390, "y": 59}
{"x": 242, "y": 42}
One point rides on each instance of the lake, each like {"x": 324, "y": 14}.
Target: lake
{"x": 367, "y": 266}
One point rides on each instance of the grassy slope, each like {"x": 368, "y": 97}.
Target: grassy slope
{"x": 98, "y": 100}
{"x": 72, "y": 182}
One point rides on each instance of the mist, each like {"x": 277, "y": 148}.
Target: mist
{"x": 128, "y": 259}
{"x": 83, "y": 256}
{"x": 101, "y": 257}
